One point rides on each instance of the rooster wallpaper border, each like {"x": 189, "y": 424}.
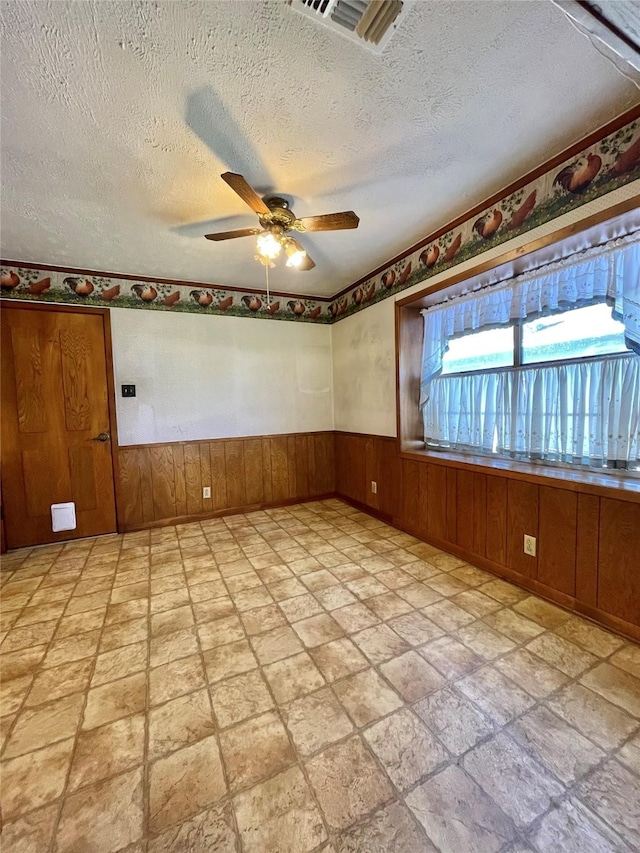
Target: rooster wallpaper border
{"x": 611, "y": 162}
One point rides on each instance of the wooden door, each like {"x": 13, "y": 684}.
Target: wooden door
{"x": 55, "y": 403}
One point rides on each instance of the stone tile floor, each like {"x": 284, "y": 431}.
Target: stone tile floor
{"x": 305, "y": 679}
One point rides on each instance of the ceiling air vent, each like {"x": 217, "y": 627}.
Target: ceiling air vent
{"x": 370, "y": 22}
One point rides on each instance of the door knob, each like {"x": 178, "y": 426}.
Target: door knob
{"x": 104, "y": 436}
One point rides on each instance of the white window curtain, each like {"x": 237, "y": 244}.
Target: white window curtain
{"x": 586, "y": 413}
{"x": 610, "y": 273}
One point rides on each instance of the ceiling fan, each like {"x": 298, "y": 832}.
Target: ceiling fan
{"x": 276, "y": 221}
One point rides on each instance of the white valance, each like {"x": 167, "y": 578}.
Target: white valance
{"x": 608, "y": 273}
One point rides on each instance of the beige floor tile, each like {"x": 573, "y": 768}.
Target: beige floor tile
{"x": 627, "y": 658}
{"x": 572, "y": 828}
{"x": 126, "y": 611}
{"x": 72, "y": 648}
{"x": 380, "y": 643}
{"x": 317, "y": 630}
{"x": 335, "y": 597}
{"x": 390, "y": 830}
{"x": 406, "y": 748}
{"x": 629, "y": 755}
{"x": 32, "y": 833}
{"x": 29, "y": 635}
{"x": 589, "y": 637}
{"x": 170, "y": 621}
{"x": 170, "y": 647}
{"x": 184, "y": 783}
{"x": 518, "y": 784}
{"x": 175, "y": 679}
{"x": 115, "y": 700}
{"x": 347, "y": 783}
{"x": 106, "y": 817}
{"x": 315, "y": 721}
{"x": 249, "y": 599}
{"x": 240, "y": 697}
{"x": 498, "y": 697}
{"x": 317, "y": 581}
{"x": 212, "y": 609}
{"x": 616, "y": 685}
{"x": 220, "y": 632}
{"x": 450, "y": 657}
{"x": 415, "y": 628}
{"x": 293, "y": 677}
{"x": 355, "y": 617}
{"x": 280, "y": 816}
{"x": 300, "y": 607}
{"x": 226, "y": 661}
{"x": 476, "y": 603}
{"x": 286, "y": 589}
{"x": 34, "y": 779}
{"x": 120, "y": 662}
{"x": 513, "y": 625}
{"x": 12, "y": 693}
{"x": 456, "y": 722}
{"x": 44, "y": 725}
{"x": 339, "y": 658}
{"x": 366, "y": 697}
{"x": 262, "y": 619}
{"x": 412, "y": 676}
{"x": 484, "y": 641}
{"x": 545, "y": 614}
{"x": 457, "y": 815}
{"x": 604, "y": 723}
{"x": 212, "y": 831}
{"x": 255, "y": 750}
{"x": 531, "y": 673}
{"x": 388, "y": 605}
{"x": 419, "y": 595}
{"x": 107, "y": 751}
{"x": 124, "y": 633}
{"x": 275, "y": 645}
{"x": 180, "y": 722}
{"x": 506, "y": 593}
{"x": 102, "y": 818}
{"x": 447, "y": 615}
{"x": 556, "y": 744}
{"x": 613, "y": 793}
{"x": 17, "y": 664}
{"x": 558, "y": 652}
{"x": 366, "y": 587}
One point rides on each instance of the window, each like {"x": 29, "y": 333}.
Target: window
{"x": 545, "y": 369}
{"x": 580, "y": 333}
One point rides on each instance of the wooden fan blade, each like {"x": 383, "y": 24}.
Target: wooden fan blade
{"x": 246, "y": 192}
{"x": 328, "y": 222}
{"x": 231, "y": 235}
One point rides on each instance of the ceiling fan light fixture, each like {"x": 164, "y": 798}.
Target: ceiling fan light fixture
{"x": 268, "y": 245}
{"x": 295, "y": 255}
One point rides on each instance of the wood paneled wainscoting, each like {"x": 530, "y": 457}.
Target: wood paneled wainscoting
{"x": 163, "y": 483}
{"x": 588, "y": 534}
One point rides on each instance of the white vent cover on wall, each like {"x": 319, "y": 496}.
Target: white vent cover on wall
{"x": 369, "y": 22}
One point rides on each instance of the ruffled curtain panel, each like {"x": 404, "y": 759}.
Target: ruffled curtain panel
{"x": 586, "y": 412}
{"x": 605, "y": 274}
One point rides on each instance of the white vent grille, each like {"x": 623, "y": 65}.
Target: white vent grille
{"x": 369, "y": 22}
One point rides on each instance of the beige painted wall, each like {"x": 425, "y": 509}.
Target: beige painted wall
{"x": 219, "y": 377}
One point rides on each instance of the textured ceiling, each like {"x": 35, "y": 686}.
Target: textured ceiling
{"x": 119, "y": 117}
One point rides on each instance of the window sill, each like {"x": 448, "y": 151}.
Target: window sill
{"x": 616, "y": 486}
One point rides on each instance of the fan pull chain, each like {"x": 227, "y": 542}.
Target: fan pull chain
{"x": 266, "y": 269}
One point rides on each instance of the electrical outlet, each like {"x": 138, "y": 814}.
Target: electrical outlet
{"x": 530, "y": 545}
{"x": 374, "y": 487}
{"x": 206, "y": 492}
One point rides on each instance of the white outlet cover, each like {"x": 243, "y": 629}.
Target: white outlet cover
{"x": 530, "y": 545}
{"x": 206, "y": 492}
{"x": 63, "y": 517}
{"x": 374, "y": 487}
